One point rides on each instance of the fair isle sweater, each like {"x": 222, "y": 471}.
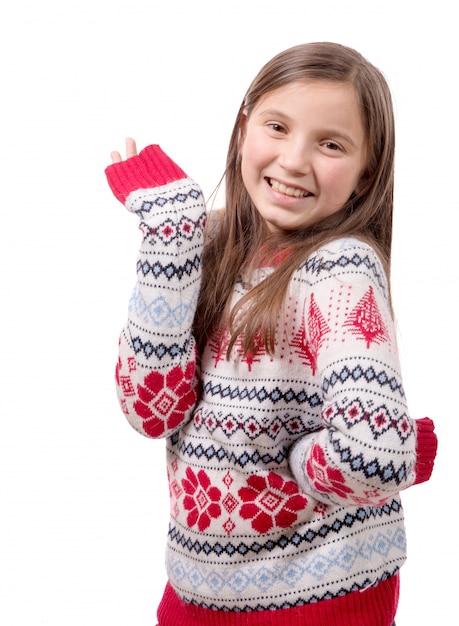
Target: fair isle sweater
{"x": 285, "y": 470}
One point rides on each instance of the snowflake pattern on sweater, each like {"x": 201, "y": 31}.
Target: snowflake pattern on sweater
{"x": 285, "y": 471}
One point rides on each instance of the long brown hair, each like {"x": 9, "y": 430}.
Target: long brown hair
{"x": 238, "y": 233}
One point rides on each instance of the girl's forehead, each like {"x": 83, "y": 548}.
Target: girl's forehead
{"x": 322, "y": 87}
{"x": 321, "y": 98}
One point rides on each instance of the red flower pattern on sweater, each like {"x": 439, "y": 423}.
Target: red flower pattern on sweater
{"x": 202, "y": 500}
{"x": 271, "y": 501}
{"x": 168, "y": 395}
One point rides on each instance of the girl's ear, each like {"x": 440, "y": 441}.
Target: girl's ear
{"x": 363, "y": 180}
{"x": 242, "y": 128}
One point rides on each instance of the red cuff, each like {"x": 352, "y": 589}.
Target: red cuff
{"x": 150, "y": 168}
{"x": 426, "y": 449}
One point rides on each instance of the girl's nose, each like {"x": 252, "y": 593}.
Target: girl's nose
{"x": 296, "y": 158}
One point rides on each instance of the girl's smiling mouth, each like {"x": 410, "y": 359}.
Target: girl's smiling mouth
{"x": 287, "y": 190}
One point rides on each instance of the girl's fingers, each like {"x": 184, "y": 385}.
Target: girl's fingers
{"x": 131, "y": 148}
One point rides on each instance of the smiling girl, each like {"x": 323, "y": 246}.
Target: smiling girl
{"x": 261, "y": 345}
{"x": 303, "y": 152}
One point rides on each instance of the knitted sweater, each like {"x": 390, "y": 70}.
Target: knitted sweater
{"x": 285, "y": 470}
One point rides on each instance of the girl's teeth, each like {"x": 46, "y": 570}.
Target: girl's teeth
{"x": 288, "y": 191}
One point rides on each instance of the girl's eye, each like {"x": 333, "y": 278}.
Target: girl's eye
{"x": 331, "y": 145}
{"x": 276, "y": 127}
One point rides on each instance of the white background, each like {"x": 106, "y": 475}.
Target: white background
{"x": 83, "y": 498}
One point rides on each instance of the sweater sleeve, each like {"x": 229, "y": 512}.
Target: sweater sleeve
{"x": 368, "y": 447}
{"x": 156, "y": 373}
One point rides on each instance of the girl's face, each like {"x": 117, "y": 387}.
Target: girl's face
{"x": 303, "y": 152}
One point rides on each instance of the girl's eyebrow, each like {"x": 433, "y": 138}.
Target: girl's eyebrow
{"x": 274, "y": 112}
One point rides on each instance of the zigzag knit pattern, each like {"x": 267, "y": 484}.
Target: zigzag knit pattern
{"x": 284, "y": 471}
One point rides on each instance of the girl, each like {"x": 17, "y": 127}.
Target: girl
{"x": 263, "y": 349}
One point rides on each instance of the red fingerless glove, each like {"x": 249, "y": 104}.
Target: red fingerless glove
{"x": 426, "y": 449}
{"x": 150, "y": 168}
